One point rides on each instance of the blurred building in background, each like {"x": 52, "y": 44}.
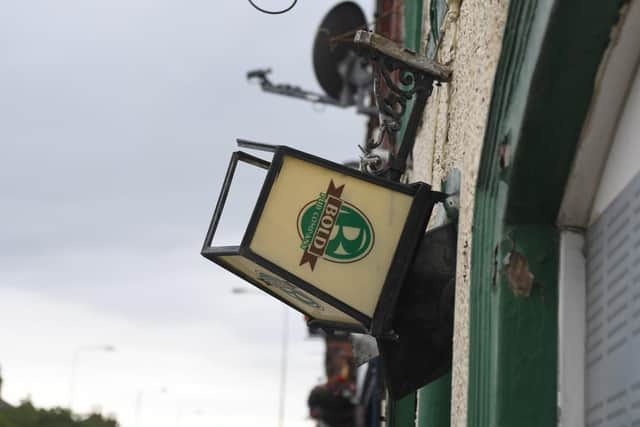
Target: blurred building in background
{"x": 334, "y": 402}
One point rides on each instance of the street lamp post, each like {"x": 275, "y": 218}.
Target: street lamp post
{"x": 283, "y": 365}
{"x": 284, "y": 350}
{"x": 74, "y": 367}
{"x": 180, "y": 413}
{"x": 139, "y": 397}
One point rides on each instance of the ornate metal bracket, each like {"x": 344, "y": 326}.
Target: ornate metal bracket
{"x": 415, "y": 79}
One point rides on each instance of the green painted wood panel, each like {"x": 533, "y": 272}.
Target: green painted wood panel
{"x": 402, "y": 412}
{"x": 412, "y": 38}
{"x": 437, "y": 12}
{"x": 413, "y": 24}
{"x": 434, "y": 403}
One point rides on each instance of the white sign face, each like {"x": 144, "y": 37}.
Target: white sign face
{"x": 298, "y": 298}
{"x": 335, "y": 231}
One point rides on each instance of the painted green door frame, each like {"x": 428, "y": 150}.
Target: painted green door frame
{"x": 542, "y": 90}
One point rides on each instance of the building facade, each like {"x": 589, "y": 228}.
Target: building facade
{"x": 541, "y": 120}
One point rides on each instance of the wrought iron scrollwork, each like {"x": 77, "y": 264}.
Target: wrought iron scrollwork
{"x": 415, "y": 77}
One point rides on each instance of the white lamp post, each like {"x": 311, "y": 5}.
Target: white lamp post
{"x": 284, "y": 351}
{"x": 139, "y": 401}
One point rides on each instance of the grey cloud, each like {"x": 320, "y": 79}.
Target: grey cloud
{"x": 117, "y": 121}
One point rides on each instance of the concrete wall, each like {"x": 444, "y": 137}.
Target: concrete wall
{"x": 451, "y": 137}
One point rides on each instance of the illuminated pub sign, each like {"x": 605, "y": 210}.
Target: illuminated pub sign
{"x": 330, "y": 241}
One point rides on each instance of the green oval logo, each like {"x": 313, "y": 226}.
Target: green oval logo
{"x": 351, "y": 235}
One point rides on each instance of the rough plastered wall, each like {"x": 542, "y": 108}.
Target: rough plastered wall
{"x": 451, "y": 137}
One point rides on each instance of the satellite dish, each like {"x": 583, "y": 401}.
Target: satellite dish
{"x": 342, "y": 74}
{"x": 338, "y": 68}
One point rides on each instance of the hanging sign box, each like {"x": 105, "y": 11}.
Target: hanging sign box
{"x": 330, "y": 241}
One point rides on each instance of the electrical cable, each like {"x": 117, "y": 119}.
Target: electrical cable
{"x": 273, "y": 12}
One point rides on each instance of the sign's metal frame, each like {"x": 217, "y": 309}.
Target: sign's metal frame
{"x": 422, "y": 205}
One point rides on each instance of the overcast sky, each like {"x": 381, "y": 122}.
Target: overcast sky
{"x": 117, "y": 121}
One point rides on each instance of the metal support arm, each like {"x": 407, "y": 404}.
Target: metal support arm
{"x": 415, "y": 78}
{"x": 290, "y": 90}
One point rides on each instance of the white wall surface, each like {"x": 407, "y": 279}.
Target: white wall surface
{"x": 624, "y": 157}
